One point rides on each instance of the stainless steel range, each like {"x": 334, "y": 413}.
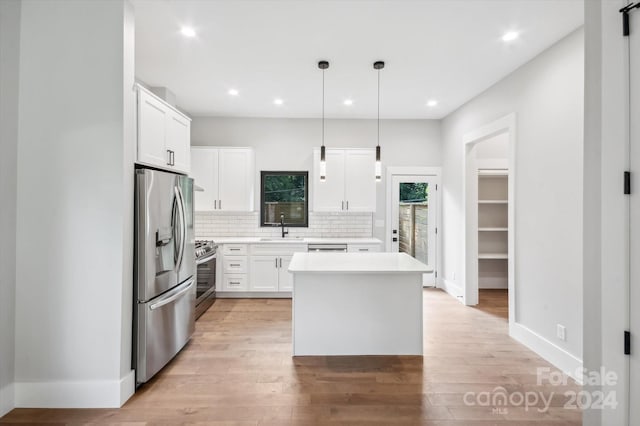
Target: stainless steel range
{"x": 205, "y": 275}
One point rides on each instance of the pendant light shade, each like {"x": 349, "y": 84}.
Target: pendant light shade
{"x": 378, "y": 65}
{"x": 378, "y": 165}
{"x": 323, "y": 164}
{"x": 323, "y": 65}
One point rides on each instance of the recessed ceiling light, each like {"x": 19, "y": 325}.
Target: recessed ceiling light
{"x": 432, "y": 103}
{"x": 233, "y": 92}
{"x": 348, "y": 101}
{"x": 188, "y": 32}
{"x": 510, "y": 36}
{"x": 278, "y": 101}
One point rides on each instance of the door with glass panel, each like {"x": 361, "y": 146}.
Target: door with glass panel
{"x": 413, "y": 219}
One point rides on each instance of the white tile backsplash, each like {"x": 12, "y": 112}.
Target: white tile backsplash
{"x": 321, "y": 225}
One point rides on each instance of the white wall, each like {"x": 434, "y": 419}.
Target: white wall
{"x": 592, "y": 269}
{"x": 74, "y": 204}
{"x": 547, "y": 96}
{"x": 287, "y": 144}
{"x": 9, "y": 77}
{"x": 606, "y": 208}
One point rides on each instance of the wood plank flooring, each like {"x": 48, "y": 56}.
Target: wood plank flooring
{"x": 238, "y": 370}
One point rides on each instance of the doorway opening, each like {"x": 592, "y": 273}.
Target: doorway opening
{"x": 489, "y": 172}
{"x": 413, "y": 213}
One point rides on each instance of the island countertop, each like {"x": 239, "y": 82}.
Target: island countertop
{"x": 356, "y": 263}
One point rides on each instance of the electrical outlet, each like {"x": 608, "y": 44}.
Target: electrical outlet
{"x": 561, "y": 332}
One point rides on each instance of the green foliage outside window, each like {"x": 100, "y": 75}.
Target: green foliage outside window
{"x": 414, "y": 192}
{"x": 284, "y": 193}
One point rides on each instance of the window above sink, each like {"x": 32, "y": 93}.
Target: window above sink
{"x": 284, "y": 193}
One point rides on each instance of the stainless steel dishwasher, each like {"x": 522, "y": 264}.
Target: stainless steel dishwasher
{"x": 327, "y": 248}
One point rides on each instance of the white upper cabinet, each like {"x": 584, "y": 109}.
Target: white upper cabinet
{"x": 350, "y": 184}
{"x": 236, "y": 179}
{"x": 360, "y": 183}
{"x": 328, "y": 195}
{"x": 179, "y": 141}
{"x": 164, "y": 134}
{"x": 205, "y": 175}
{"x": 227, "y": 177}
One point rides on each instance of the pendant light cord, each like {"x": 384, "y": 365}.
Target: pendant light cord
{"x": 323, "y": 107}
{"x": 378, "y": 107}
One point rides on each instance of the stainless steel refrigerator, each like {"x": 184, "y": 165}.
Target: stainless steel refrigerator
{"x": 164, "y": 289}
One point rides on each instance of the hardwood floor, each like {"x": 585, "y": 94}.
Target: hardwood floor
{"x": 238, "y": 370}
{"x": 494, "y": 302}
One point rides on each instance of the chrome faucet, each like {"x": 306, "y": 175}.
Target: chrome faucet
{"x": 282, "y": 225}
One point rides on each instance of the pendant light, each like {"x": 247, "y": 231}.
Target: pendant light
{"x": 378, "y": 65}
{"x": 323, "y": 65}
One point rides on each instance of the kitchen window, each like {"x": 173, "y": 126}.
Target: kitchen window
{"x": 284, "y": 193}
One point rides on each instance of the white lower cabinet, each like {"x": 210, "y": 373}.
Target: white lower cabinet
{"x": 257, "y": 267}
{"x": 270, "y": 264}
{"x": 285, "y": 281}
{"x": 264, "y": 273}
{"x": 235, "y": 282}
{"x": 363, "y": 248}
{"x": 263, "y": 268}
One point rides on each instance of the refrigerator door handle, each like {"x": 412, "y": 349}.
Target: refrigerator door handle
{"x": 173, "y": 297}
{"x": 183, "y": 226}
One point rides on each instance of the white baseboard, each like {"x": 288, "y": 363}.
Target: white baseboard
{"x": 453, "y": 289}
{"x": 253, "y": 295}
{"x": 127, "y": 386}
{"x": 560, "y": 358}
{"x": 6, "y": 399}
{"x": 86, "y": 394}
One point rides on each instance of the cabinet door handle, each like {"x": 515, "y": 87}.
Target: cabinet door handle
{"x": 234, "y": 264}
{"x": 281, "y": 262}
{"x": 347, "y": 205}
{"x": 343, "y": 205}
{"x": 220, "y": 204}
{"x": 363, "y": 249}
{"x": 173, "y": 163}
{"x": 215, "y": 204}
{"x": 276, "y": 262}
{"x": 168, "y": 157}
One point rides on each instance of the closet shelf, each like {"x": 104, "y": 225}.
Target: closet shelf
{"x": 493, "y": 256}
{"x": 493, "y": 201}
{"x": 493, "y": 172}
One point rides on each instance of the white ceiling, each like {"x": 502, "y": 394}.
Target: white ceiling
{"x": 449, "y": 50}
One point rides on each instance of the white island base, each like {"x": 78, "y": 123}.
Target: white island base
{"x": 357, "y": 304}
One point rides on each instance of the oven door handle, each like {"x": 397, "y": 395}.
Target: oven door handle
{"x": 205, "y": 259}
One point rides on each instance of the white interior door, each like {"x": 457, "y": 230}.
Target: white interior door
{"x": 634, "y": 234}
{"x": 414, "y": 219}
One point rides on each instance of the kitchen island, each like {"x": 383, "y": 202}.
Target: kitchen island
{"x": 357, "y": 304}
